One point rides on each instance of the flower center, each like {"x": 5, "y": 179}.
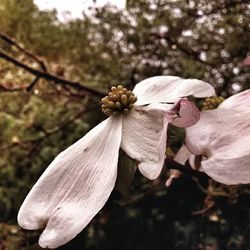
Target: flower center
{"x": 118, "y": 101}
{"x": 212, "y": 102}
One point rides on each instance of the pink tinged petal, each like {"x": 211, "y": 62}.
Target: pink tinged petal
{"x": 240, "y": 100}
{"x": 198, "y": 136}
{"x": 246, "y": 61}
{"x": 144, "y": 137}
{"x": 230, "y": 171}
{"x": 182, "y": 155}
{"x": 170, "y": 89}
{"x": 74, "y": 187}
{"x": 188, "y": 114}
{"x": 223, "y": 137}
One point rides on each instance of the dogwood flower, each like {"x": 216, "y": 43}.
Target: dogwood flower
{"x": 77, "y": 184}
{"x": 219, "y": 143}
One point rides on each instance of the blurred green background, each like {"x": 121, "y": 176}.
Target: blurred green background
{"x": 39, "y": 118}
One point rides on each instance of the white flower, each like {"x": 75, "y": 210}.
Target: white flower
{"x": 219, "y": 144}
{"x": 79, "y": 181}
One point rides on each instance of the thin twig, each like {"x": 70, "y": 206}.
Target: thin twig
{"x": 46, "y": 133}
{"x": 32, "y": 84}
{"x": 134, "y": 199}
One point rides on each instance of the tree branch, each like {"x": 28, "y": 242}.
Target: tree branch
{"x": 11, "y": 41}
{"x": 50, "y": 77}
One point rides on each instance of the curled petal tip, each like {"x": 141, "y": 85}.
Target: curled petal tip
{"x": 188, "y": 114}
{"x": 48, "y": 240}
{"x": 29, "y": 219}
{"x": 150, "y": 172}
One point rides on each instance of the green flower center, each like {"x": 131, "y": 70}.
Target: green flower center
{"x": 212, "y": 102}
{"x": 118, "y": 101}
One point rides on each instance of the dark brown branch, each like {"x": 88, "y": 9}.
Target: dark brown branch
{"x": 5, "y": 89}
{"x": 11, "y": 41}
{"x": 156, "y": 185}
{"x": 24, "y": 88}
{"x": 51, "y": 77}
{"x": 32, "y": 84}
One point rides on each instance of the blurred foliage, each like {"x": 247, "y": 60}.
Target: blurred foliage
{"x": 197, "y": 39}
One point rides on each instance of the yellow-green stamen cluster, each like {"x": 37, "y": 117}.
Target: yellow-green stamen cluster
{"x": 212, "y": 102}
{"x": 118, "y": 101}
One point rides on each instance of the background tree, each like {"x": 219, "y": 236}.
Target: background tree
{"x": 52, "y": 77}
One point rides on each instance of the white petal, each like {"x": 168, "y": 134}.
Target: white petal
{"x": 228, "y": 170}
{"x": 170, "y": 89}
{"x": 182, "y": 155}
{"x": 240, "y": 100}
{"x": 144, "y": 137}
{"x": 223, "y": 136}
{"x": 188, "y": 114}
{"x": 198, "y": 136}
{"x": 74, "y": 187}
